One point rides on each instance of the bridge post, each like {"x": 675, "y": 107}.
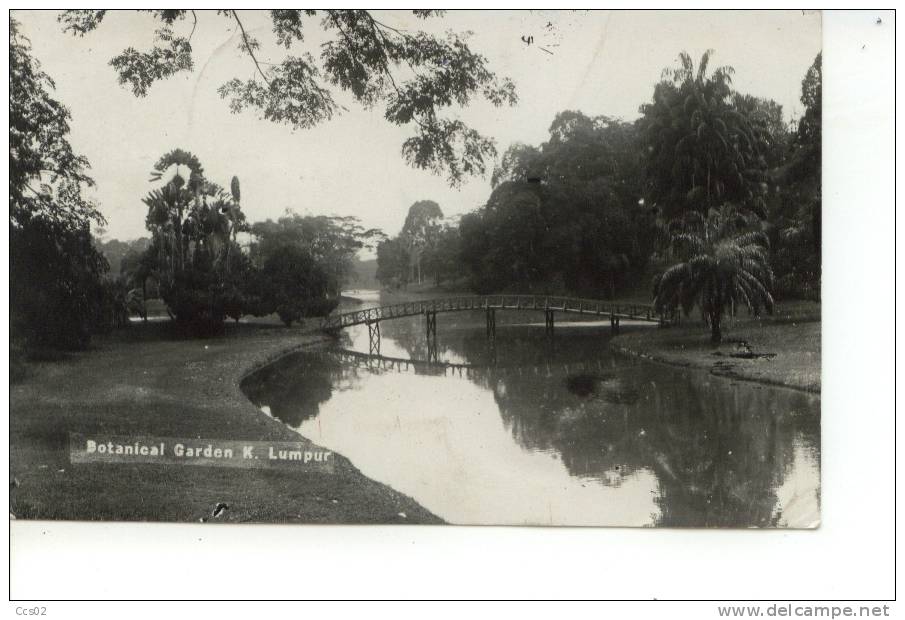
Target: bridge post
{"x": 430, "y": 317}
{"x": 491, "y": 323}
{"x": 548, "y": 319}
{"x": 374, "y": 337}
{"x": 432, "y": 352}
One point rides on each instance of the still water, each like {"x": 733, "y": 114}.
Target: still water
{"x": 533, "y": 430}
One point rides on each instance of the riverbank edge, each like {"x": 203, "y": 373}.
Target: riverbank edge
{"x": 239, "y": 357}
{"x": 319, "y": 340}
{"x": 648, "y": 349}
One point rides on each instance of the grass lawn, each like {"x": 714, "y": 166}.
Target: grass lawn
{"x": 786, "y": 346}
{"x": 149, "y": 384}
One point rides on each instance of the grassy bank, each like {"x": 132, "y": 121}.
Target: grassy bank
{"x": 150, "y": 384}
{"x": 780, "y": 350}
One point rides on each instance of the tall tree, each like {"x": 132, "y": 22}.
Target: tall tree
{"x": 564, "y": 216}
{"x": 799, "y": 216}
{"x": 46, "y": 177}
{"x": 193, "y": 222}
{"x": 419, "y": 233}
{"x": 417, "y": 76}
{"x": 702, "y": 151}
{"x": 442, "y": 258}
{"x": 810, "y": 128}
{"x": 393, "y": 263}
{"x": 56, "y": 293}
{"x": 192, "y": 219}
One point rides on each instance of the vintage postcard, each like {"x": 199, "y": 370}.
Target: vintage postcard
{"x": 552, "y": 268}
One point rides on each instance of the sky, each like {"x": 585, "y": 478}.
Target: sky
{"x": 601, "y": 62}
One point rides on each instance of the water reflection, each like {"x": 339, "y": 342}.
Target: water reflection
{"x": 529, "y": 430}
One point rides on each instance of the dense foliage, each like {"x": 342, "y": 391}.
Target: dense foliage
{"x": 294, "y": 267}
{"x": 702, "y": 147}
{"x": 427, "y": 246}
{"x": 57, "y": 296}
{"x": 741, "y": 191}
{"x": 711, "y": 188}
{"x": 296, "y": 284}
{"x": 565, "y": 216}
{"x": 796, "y": 234}
{"x": 57, "y": 293}
{"x": 193, "y": 223}
{"x": 332, "y": 241}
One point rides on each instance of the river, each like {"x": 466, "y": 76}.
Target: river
{"x": 527, "y": 429}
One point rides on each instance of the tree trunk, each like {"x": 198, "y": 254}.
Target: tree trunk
{"x": 144, "y": 299}
{"x": 716, "y": 334}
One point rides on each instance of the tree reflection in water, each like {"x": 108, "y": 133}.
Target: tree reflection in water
{"x": 720, "y": 451}
{"x": 294, "y": 387}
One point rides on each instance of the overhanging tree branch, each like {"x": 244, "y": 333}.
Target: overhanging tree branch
{"x": 248, "y": 46}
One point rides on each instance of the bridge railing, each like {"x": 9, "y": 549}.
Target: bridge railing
{"x": 480, "y": 302}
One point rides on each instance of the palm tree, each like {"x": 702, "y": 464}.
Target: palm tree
{"x": 233, "y": 212}
{"x": 182, "y": 219}
{"x": 170, "y": 206}
{"x": 703, "y": 149}
{"x": 725, "y": 264}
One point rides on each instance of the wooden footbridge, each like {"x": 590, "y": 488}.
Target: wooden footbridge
{"x": 372, "y": 317}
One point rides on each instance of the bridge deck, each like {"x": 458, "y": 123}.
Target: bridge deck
{"x": 637, "y": 312}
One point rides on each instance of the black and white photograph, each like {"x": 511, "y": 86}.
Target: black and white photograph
{"x": 417, "y": 267}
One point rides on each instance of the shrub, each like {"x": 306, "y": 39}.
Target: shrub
{"x": 57, "y": 298}
{"x": 295, "y": 285}
{"x": 197, "y": 300}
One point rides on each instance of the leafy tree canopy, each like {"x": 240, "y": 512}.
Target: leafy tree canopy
{"x": 415, "y": 75}
{"x": 564, "y": 216}
{"x": 46, "y": 177}
{"x": 296, "y": 285}
{"x": 591, "y": 155}
{"x": 331, "y": 241}
{"x": 702, "y": 151}
{"x": 809, "y": 128}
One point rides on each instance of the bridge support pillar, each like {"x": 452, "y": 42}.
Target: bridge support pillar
{"x": 431, "y": 331}
{"x": 430, "y": 318}
{"x": 430, "y": 323}
{"x": 548, "y": 319}
{"x": 491, "y": 323}
{"x": 433, "y": 355}
{"x": 374, "y": 337}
